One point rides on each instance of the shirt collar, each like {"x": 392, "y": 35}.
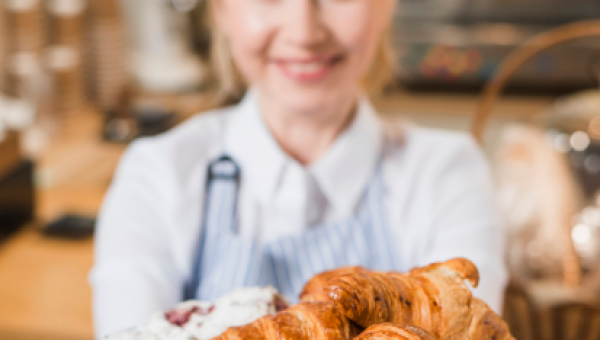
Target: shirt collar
{"x": 341, "y": 174}
{"x": 249, "y": 141}
{"x": 345, "y": 170}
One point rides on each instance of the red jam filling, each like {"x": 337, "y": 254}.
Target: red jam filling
{"x": 280, "y": 304}
{"x": 182, "y": 317}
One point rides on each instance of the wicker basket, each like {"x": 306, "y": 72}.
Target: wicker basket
{"x": 493, "y": 89}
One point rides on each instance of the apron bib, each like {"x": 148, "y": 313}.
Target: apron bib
{"x": 226, "y": 260}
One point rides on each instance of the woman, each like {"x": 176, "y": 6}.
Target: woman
{"x": 300, "y": 177}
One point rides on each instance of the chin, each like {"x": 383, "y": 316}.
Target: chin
{"x": 310, "y": 101}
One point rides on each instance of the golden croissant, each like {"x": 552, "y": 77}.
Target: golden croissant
{"x": 434, "y": 298}
{"x": 314, "y": 290}
{"x": 388, "y": 331}
{"x": 319, "y": 321}
{"x": 304, "y": 321}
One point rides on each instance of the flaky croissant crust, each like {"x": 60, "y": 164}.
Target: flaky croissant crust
{"x": 435, "y": 298}
{"x": 388, "y": 331}
{"x": 427, "y": 303}
{"x": 304, "y": 321}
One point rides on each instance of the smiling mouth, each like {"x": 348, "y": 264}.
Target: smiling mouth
{"x": 308, "y": 70}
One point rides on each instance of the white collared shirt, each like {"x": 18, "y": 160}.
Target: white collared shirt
{"x": 438, "y": 199}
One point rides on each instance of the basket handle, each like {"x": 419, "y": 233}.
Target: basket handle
{"x": 529, "y": 49}
{"x": 493, "y": 89}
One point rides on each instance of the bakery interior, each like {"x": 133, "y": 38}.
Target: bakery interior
{"x": 81, "y": 79}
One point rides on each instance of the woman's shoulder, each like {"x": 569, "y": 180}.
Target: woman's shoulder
{"x": 202, "y": 129}
{"x": 432, "y": 166}
{"x": 429, "y": 151}
{"x": 408, "y": 137}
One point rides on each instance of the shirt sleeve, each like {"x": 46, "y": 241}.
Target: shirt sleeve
{"x": 134, "y": 273}
{"x": 465, "y": 221}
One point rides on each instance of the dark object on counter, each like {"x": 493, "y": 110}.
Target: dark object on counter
{"x": 17, "y": 195}
{"x": 120, "y": 126}
{"x": 127, "y": 122}
{"x": 142, "y": 122}
{"x": 71, "y": 226}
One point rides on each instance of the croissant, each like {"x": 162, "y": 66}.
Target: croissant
{"x": 485, "y": 324}
{"x": 434, "y": 298}
{"x": 389, "y": 331}
{"x": 304, "y": 321}
{"x": 314, "y": 289}
{"x": 371, "y": 298}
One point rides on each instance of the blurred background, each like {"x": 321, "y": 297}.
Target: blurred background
{"x": 80, "y": 79}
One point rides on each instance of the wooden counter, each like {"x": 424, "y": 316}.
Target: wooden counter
{"x": 44, "y": 290}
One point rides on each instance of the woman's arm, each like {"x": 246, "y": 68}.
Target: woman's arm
{"x": 134, "y": 273}
{"x": 465, "y": 221}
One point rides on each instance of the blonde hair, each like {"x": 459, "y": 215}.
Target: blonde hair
{"x": 230, "y": 85}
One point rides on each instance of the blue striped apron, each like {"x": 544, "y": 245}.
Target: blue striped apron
{"x": 227, "y": 260}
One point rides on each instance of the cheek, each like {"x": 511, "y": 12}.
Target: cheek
{"x": 360, "y": 39}
{"x": 249, "y": 34}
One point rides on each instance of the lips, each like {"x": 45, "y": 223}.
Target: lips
{"x": 307, "y": 70}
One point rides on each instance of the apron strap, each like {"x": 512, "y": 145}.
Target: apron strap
{"x": 225, "y": 169}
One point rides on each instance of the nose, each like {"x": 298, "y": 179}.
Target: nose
{"x": 303, "y": 24}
